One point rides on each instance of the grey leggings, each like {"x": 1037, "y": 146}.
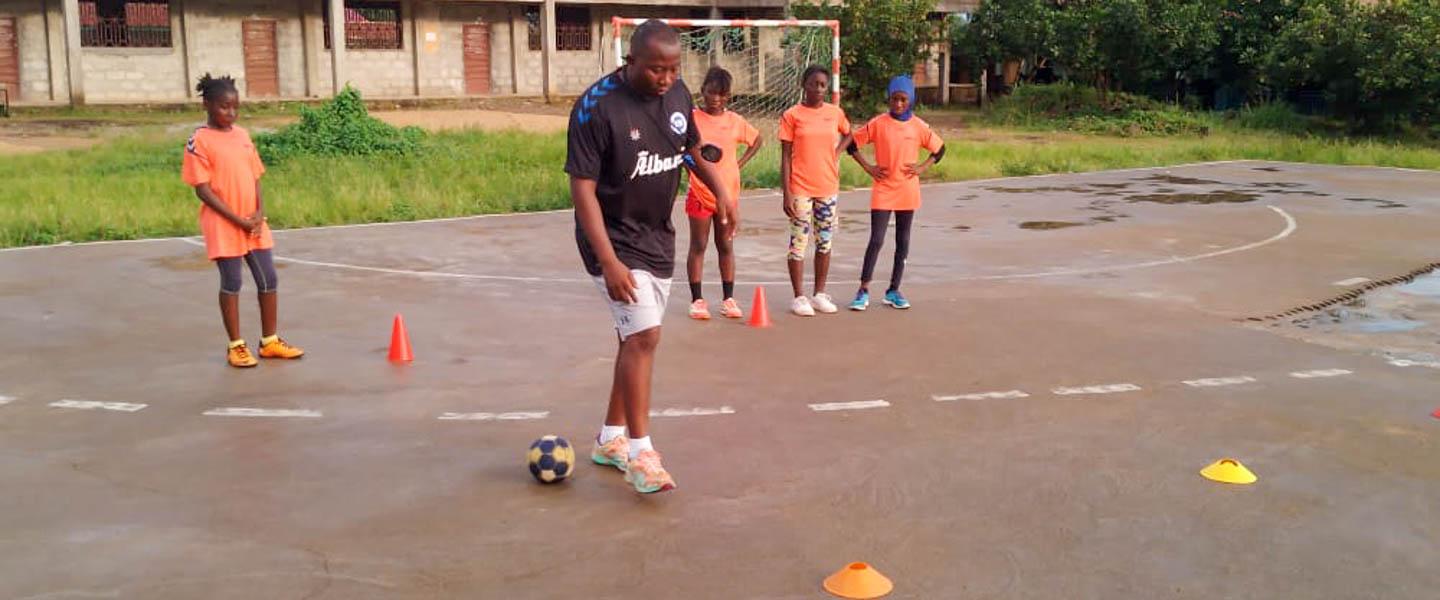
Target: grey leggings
{"x": 262, "y": 267}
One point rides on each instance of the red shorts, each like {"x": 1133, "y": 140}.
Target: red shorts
{"x": 697, "y": 208}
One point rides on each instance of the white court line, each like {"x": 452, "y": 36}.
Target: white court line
{"x": 1398, "y": 362}
{"x": 1320, "y": 373}
{"x": 1012, "y": 394}
{"x": 861, "y": 405}
{"x": 509, "y": 416}
{"x": 692, "y": 412}
{"x": 1352, "y": 281}
{"x": 1290, "y": 227}
{"x": 1112, "y": 388}
{"x": 236, "y": 411}
{"x": 6, "y": 400}
{"x": 93, "y": 405}
{"x": 1219, "y": 381}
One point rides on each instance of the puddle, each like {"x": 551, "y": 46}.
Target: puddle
{"x": 1378, "y": 202}
{"x": 1424, "y": 285}
{"x": 1277, "y": 184}
{"x": 1385, "y": 326}
{"x": 1268, "y": 169}
{"x": 1172, "y": 179}
{"x": 1111, "y": 186}
{"x": 1108, "y": 218}
{"x": 1210, "y": 198}
{"x": 189, "y": 262}
{"x": 1045, "y": 225}
{"x": 1072, "y": 188}
{"x": 961, "y": 228}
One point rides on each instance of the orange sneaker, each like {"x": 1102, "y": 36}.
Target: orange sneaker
{"x": 615, "y": 453}
{"x": 730, "y": 309}
{"x": 699, "y": 310}
{"x": 647, "y": 474}
{"x": 280, "y": 349}
{"x": 240, "y": 357}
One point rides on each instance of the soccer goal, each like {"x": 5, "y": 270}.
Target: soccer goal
{"x": 765, "y": 57}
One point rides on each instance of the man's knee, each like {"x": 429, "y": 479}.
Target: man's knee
{"x": 642, "y": 342}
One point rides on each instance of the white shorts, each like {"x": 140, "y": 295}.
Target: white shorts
{"x": 651, "y": 296}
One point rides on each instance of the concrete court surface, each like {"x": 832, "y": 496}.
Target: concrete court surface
{"x": 1048, "y": 403}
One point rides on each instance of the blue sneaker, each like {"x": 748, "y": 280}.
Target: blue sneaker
{"x": 893, "y": 298}
{"x": 861, "y": 301}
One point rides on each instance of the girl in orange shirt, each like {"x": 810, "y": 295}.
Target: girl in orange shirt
{"x": 725, "y": 130}
{"x": 812, "y": 134}
{"x": 222, "y": 165}
{"x": 898, "y": 137}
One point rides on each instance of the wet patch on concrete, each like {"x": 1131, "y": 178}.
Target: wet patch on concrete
{"x": 1176, "y": 180}
{"x": 1379, "y": 202}
{"x": 1216, "y": 197}
{"x": 1267, "y": 169}
{"x": 188, "y": 262}
{"x": 1048, "y": 225}
{"x": 1395, "y": 316}
{"x": 1074, "y": 189}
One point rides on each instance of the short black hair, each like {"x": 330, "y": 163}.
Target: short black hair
{"x": 652, "y": 32}
{"x": 811, "y": 70}
{"x": 717, "y": 78}
{"x": 211, "y": 87}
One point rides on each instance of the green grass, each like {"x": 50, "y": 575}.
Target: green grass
{"x": 130, "y": 188}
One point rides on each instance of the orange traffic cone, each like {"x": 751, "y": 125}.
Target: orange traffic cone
{"x": 858, "y": 580}
{"x": 759, "y": 313}
{"x": 400, "y": 342}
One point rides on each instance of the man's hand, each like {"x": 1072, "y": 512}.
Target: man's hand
{"x": 877, "y": 172}
{"x": 788, "y": 205}
{"x": 619, "y": 282}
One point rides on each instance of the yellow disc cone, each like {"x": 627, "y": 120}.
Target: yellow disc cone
{"x": 858, "y": 580}
{"x": 1228, "y": 470}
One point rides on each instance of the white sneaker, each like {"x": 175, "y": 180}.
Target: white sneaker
{"x": 801, "y": 306}
{"x": 825, "y": 304}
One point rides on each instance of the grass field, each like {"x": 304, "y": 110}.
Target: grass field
{"x": 130, "y": 187}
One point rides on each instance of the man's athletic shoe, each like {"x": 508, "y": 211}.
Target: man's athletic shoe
{"x": 240, "y": 357}
{"x": 801, "y": 306}
{"x": 647, "y": 475}
{"x": 615, "y": 453}
{"x": 825, "y": 304}
{"x": 861, "y": 301}
{"x": 280, "y": 349}
{"x": 730, "y": 309}
{"x": 700, "y": 310}
{"x": 893, "y": 298}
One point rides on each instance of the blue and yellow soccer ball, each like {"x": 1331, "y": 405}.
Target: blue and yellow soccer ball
{"x": 551, "y": 459}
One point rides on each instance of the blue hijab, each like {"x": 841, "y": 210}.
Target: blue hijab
{"x": 902, "y": 83}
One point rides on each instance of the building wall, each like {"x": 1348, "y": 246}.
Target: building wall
{"x": 444, "y": 74}
{"x": 33, "y": 45}
{"x": 213, "y": 35}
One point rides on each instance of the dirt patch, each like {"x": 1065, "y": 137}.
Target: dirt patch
{"x": 488, "y": 120}
{"x": 1048, "y": 225}
{"x": 188, "y": 262}
{"x": 1379, "y": 202}
{"x": 1218, "y": 197}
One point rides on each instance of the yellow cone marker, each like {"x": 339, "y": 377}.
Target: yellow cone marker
{"x": 1229, "y": 470}
{"x": 859, "y": 581}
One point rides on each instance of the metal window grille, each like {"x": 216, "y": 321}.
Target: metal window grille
{"x": 370, "y": 25}
{"x": 532, "y": 22}
{"x": 112, "y": 24}
{"x": 572, "y": 28}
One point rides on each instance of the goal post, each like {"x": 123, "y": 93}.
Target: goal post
{"x": 765, "y": 56}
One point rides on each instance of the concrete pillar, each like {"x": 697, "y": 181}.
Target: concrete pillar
{"x": 945, "y": 72}
{"x": 337, "y": 46}
{"x": 547, "y": 59}
{"x": 55, "y": 49}
{"x": 181, "y": 8}
{"x": 73, "y": 70}
{"x": 516, "y": 47}
{"x": 310, "y": 44}
{"x": 715, "y": 39}
{"x": 412, "y": 8}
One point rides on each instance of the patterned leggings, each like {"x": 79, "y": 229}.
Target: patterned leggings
{"x": 817, "y": 215}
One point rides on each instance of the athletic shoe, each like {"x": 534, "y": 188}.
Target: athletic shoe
{"x": 801, "y": 307}
{"x": 280, "y": 349}
{"x": 647, "y": 474}
{"x": 240, "y": 357}
{"x": 893, "y": 298}
{"x": 699, "y": 310}
{"x": 861, "y": 301}
{"x": 730, "y": 309}
{"x": 825, "y": 304}
{"x": 615, "y": 453}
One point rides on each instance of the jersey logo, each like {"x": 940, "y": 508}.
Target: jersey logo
{"x": 677, "y": 123}
{"x": 634, "y": 135}
{"x": 591, "y": 99}
{"x": 653, "y": 164}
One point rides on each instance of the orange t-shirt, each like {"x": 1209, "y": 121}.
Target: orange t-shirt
{"x": 227, "y": 160}
{"x": 813, "y": 134}
{"x": 897, "y": 143}
{"x": 726, "y": 131}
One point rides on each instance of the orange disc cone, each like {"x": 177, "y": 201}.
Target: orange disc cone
{"x": 858, "y": 580}
{"x": 400, "y": 342}
{"x": 1436, "y": 414}
{"x": 759, "y": 313}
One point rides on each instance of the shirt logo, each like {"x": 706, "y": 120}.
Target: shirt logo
{"x": 634, "y": 135}
{"x": 653, "y": 164}
{"x": 677, "y": 123}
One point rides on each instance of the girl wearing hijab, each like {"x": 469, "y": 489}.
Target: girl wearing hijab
{"x": 898, "y": 136}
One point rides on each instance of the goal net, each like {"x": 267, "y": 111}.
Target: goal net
{"x": 765, "y": 58}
